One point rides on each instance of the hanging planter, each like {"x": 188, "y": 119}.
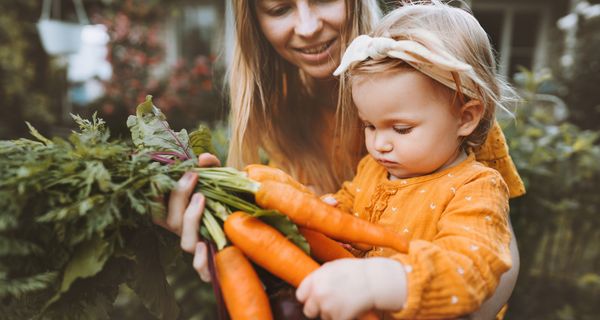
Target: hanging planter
{"x": 61, "y": 37}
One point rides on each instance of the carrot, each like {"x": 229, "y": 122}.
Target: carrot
{"x": 271, "y": 250}
{"x": 322, "y": 248}
{"x": 261, "y": 173}
{"x": 309, "y": 211}
{"x": 243, "y": 292}
{"x": 268, "y": 248}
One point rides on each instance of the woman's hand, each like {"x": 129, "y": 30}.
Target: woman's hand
{"x": 184, "y": 212}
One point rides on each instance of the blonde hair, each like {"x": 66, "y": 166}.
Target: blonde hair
{"x": 440, "y": 27}
{"x": 270, "y": 101}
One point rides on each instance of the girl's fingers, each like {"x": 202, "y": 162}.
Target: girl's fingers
{"x": 208, "y": 160}
{"x": 303, "y": 289}
{"x": 200, "y": 262}
{"x": 191, "y": 223}
{"x": 178, "y": 201}
{"x": 311, "y": 308}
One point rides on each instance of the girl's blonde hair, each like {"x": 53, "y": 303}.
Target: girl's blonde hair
{"x": 441, "y": 27}
{"x": 271, "y": 105}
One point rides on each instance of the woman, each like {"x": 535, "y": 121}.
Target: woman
{"x": 283, "y": 102}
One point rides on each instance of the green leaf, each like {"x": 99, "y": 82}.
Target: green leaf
{"x": 201, "y": 140}
{"x": 88, "y": 259}
{"x": 20, "y": 286}
{"x": 285, "y": 226}
{"x": 149, "y": 280}
{"x": 150, "y": 131}
{"x": 37, "y": 134}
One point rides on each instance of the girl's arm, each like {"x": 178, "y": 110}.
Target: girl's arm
{"x": 494, "y": 304}
{"x": 345, "y": 288}
{"x": 447, "y": 277}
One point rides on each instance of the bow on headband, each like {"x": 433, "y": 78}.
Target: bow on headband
{"x": 441, "y": 67}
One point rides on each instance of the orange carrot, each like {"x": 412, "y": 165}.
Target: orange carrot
{"x": 322, "y": 248}
{"x": 261, "y": 173}
{"x": 243, "y": 292}
{"x": 271, "y": 250}
{"x": 309, "y": 211}
{"x": 268, "y": 248}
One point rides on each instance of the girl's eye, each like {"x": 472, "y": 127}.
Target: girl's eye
{"x": 403, "y": 130}
{"x": 368, "y": 126}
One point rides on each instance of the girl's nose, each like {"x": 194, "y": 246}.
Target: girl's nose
{"x": 382, "y": 145}
{"x": 309, "y": 22}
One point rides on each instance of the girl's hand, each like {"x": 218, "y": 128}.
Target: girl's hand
{"x": 345, "y": 288}
{"x": 184, "y": 212}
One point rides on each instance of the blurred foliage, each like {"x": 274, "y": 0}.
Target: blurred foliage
{"x": 583, "y": 94}
{"x": 557, "y": 223}
{"x": 184, "y": 91}
{"x": 28, "y": 86}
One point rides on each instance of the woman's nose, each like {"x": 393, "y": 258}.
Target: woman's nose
{"x": 309, "y": 22}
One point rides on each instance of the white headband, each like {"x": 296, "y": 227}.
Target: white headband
{"x": 439, "y": 66}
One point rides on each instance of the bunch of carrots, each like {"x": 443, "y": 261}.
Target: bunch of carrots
{"x": 253, "y": 239}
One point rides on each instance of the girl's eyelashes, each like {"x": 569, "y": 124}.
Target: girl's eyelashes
{"x": 368, "y": 126}
{"x": 403, "y": 130}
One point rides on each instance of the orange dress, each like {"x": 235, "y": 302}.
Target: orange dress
{"x": 493, "y": 153}
{"x": 457, "y": 220}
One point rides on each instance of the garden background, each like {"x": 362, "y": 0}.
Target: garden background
{"x": 173, "y": 51}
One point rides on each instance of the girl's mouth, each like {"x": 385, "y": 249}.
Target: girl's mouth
{"x": 386, "y": 162}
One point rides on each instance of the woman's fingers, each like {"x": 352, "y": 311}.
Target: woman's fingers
{"x": 179, "y": 200}
{"x": 201, "y": 261}
{"x": 208, "y": 160}
{"x": 329, "y": 199}
{"x": 191, "y": 223}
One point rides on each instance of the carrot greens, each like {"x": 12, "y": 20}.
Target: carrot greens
{"x": 76, "y": 218}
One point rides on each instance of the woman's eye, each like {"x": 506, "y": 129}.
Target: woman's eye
{"x": 278, "y": 11}
{"x": 403, "y": 130}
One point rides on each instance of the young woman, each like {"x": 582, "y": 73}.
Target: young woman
{"x": 284, "y": 102}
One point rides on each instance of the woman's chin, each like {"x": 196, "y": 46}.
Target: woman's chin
{"x": 320, "y": 72}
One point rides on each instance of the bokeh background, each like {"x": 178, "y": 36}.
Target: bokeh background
{"x": 176, "y": 51}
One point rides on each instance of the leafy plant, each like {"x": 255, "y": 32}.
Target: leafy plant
{"x": 557, "y": 222}
{"x": 76, "y": 222}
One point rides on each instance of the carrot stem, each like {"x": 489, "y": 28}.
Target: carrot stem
{"x": 309, "y": 211}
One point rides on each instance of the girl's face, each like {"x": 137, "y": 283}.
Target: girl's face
{"x": 411, "y": 128}
{"x": 305, "y": 32}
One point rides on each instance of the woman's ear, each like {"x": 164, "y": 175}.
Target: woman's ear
{"x": 470, "y": 115}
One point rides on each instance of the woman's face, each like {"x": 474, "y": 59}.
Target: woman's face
{"x": 307, "y": 33}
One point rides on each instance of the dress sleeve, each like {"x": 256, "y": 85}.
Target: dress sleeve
{"x": 346, "y": 195}
{"x": 453, "y": 274}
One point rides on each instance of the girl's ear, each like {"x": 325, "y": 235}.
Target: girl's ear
{"x": 470, "y": 115}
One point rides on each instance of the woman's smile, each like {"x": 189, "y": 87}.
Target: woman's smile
{"x": 317, "y": 52}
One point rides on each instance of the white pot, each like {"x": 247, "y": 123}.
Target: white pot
{"x": 60, "y": 37}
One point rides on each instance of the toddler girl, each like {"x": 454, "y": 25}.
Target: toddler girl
{"x": 424, "y": 86}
